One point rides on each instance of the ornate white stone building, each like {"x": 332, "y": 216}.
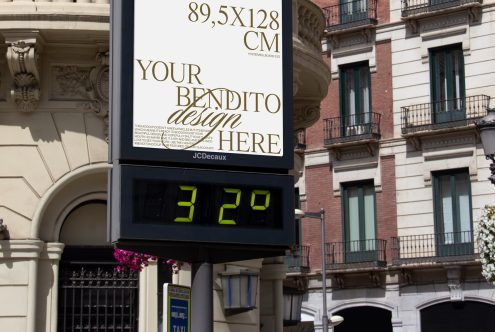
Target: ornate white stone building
{"x": 56, "y": 266}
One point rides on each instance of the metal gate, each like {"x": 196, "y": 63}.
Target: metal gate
{"x": 93, "y": 296}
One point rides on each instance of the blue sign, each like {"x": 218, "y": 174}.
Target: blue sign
{"x": 176, "y": 308}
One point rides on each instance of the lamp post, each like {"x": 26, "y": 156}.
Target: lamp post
{"x": 320, "y": 215}
{"x": 486, "y": 128}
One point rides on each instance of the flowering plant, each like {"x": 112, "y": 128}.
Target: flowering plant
{"x": 131, "y": 260}
{"x": 485, "y": 236}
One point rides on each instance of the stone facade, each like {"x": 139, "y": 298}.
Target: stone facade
{"x": 396, "y": 44}
{"x": 54, "y": 146}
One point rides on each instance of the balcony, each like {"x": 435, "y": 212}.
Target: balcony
{"x": 447, "y": 114}
{"x": 298, "y": 259}
{"x": 350, "y": 15}
{"x": 433, "y": 248}
{"x": 418, "y": 8}
{"x": 352, "y": 128}
{"x": 356, "y": 254}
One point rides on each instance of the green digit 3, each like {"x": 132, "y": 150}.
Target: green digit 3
{"x": 189, "y": 204}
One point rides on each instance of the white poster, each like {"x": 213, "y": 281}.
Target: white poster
{"x": 208, "y": 76}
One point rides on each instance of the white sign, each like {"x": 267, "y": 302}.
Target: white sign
{"x": 208, "y": 76}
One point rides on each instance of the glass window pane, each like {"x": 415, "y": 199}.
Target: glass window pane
{"x": 365, "y": 94}
{"x": 462, "y": 190}
{"x": 446, "y": 201}
{"x": 350, "y": 95}
{"x": 369, "y": 217}
{"x": 353, "y": 221}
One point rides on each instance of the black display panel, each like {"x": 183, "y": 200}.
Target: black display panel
{"x": 189, "y": 213}
{"x": 207, "y": 204}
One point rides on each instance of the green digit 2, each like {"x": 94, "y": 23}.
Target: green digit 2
{"x": 222, "y": 221}
{"x": 189, "y": 204}
{"x": 267, "y": 200}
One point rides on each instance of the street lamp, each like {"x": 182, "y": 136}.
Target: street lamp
{"x": 299, "y": 214}
{"x": 486, "y": 127}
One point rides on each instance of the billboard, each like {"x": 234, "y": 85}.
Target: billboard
{"x": 203, "y": 82}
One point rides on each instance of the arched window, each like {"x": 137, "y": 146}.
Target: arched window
{"x": 92, "y": 295}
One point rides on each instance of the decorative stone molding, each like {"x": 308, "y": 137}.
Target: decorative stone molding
{"x": 406, "y": 276}
{"x": 20, "y": 249}
{"x": 91, "y": 84}
{"x": 23, "y": 51}
{"x": 356, "y": 170}
{"x": 68, "y": 82}
{"x": 296, "y": 81}
{"x": 454, "y": 284}
{"x": 375, "y": 278}
{"x": 338, "y": 281}
{"x": 306, "y": 115}
{"x": 310, "y": 19}
{"x": 98, "y": 85}
{"x": 52, "y": 251}
{"x": 98, "y": 88}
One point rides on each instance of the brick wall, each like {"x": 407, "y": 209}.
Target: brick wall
{"x": 381, "y": 88}
{"x": 386, "y": 204}
{"x": 319, "y": 195}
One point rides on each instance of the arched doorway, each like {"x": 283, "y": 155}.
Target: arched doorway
{"x": 467, "y": 316}
{"x": 365, "y": 318}
{"x": 92, "y": 295}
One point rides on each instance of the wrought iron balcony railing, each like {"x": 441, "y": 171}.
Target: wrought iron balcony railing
{"x": 298, "y": 259}
{"x": 352, "y": 128}
{"x": 432, "y": 248}
{"x": 350, "y": 14}
{"x": 418, "y": 7}
{"x": 362, "y": 253}
{"x": 451, "y": 113}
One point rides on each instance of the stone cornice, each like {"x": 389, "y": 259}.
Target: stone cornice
{"x": 15, "y": 249}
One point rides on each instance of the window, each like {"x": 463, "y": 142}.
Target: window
{"x": 447, "y": 84}
{"x": 353, "y": 10}
{"x": 359, "y": 222}
{"x": 453, "y": 220}
{"x": 355, "y": 99}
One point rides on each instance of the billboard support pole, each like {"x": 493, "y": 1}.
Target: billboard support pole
{"x": 202, "y": 297}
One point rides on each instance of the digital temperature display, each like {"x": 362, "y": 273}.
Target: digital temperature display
{"x": 192, "y": 209}
{"x": 193, "y": 203}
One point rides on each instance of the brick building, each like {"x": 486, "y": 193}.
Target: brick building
{"x": 396, "y": 162}
{"x": 57, "y": 272}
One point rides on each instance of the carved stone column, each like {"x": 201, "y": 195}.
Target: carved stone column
{"x": 23, "y": 49}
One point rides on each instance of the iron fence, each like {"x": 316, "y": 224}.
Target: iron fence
{"x": 350, "y": 14}
{"x": 97, "y": 299}
{"x": 428, "y": 248}
{"x": 371, "y": 252}
{"x": 444, "y": 114}
{"x": 351, "y": 127}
